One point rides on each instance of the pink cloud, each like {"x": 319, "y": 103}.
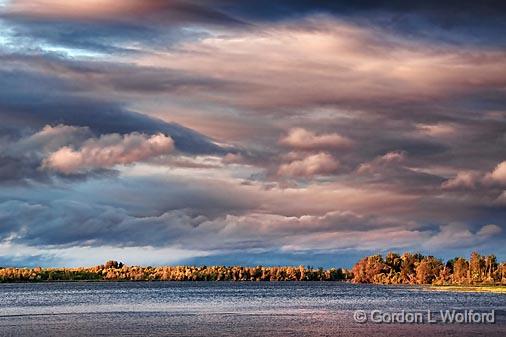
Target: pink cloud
{"x": 469, "y": 179}
{"x": 501, "y": 199}
{"x": 438, "y": 130}
{"x": 108, "y": 151}
{"x": 389, "y": 158}
{"x": 321, "y": 163}
{"x": 301, "y": 139}
{"x": 498, "y": 174}
{"x": 51, "y": 138}
{"x": 85, "y": 9}
{"x": 464, "y": 179}
{"x": 333, "y": 67}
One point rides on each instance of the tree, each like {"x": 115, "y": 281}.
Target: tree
{"x": 394, "y": 261}
{"x": 428, "y": 270}
{"x": 460, "y": 271}
{"x": 111, "y": 264}
{"x": 490, "y": 269}
{"x": 408, "y": 267}
{"x": 476, "y": 268}
{"x": 370, "y": 270}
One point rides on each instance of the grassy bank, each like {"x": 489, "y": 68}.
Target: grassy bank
{"x": 497, "y": 289}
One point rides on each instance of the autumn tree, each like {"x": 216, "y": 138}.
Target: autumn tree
{"x": 476, "y": 268}
{"x": 460, "y": 271}
{"x": 428, "y": 270}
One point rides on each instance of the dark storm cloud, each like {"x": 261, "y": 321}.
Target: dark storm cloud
{"x": 71, "y": 223}
{"x": 59, "y": 94}
{"x": 21, "y": 156}
{"x": 443, "y": 8}
{"x": 68, "y": 223}
{"x": 52, "y": 101}
{"x": 477, "y": 22}
{"x": 15, "y": 170}
{"x": 337, "y": 259}
{"x": 18, "y": 168}
{"x": 143, "y": 213}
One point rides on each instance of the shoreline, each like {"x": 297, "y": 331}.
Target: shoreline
{"x": 176, "y": 281}
{"x": 495, "y": 289}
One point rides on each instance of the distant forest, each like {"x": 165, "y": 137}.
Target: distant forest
{"x": 407, "y": 268}
{"x": 117, "y": 271}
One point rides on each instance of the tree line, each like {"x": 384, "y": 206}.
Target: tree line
{"x": 408, "y": 268}
{"x": 414, "y": 268}
{"x": 117, "y": 271}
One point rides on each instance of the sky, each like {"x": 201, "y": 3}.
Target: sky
{"x": 232, "y": 132}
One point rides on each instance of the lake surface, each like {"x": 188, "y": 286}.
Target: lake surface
{"x": 233, "y": 309}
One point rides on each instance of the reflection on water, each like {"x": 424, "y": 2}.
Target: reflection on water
{"x": 230, "y": 309}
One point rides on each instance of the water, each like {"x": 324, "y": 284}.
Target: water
{"x": 231, "y": 309}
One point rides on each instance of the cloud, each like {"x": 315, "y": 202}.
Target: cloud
{"x": 458, "y": 235}
{"x": 392, "y": 157}
{"x": 489, "y": 230}
{"x": 470, "y": 179}
{"x": 498, "y": 175}
{"x": 438, "y": 130}
{"x": 106, "y": 26}
{"x": 74, "y": 152}
{"x": 114, "y": 77}
{"x": 159, "y": 209}
{"x": 21, "y": 157}
{"x": 21, "y": 109}
{"x": 501, "y": 199}
{"x": 301, "y": 139}
{"x": 108, "y": 151}
{"x": 78, "y": 256}
{"x": 316, "y": 164}
{"x": 389, "y": 72}
{"x": 50, "y": 139}
{"x": 62, "y": 223}
{"x": 159, "y": 11}
{"x": 382, "y": 162}
{"x": 136, "y": 18}
{"x": 464, "y": 179}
